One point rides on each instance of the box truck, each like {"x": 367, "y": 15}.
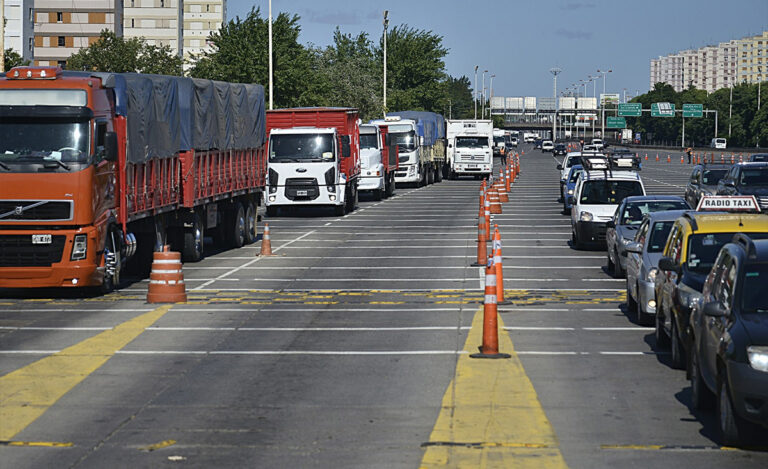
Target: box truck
{"x": 469, "y": 147}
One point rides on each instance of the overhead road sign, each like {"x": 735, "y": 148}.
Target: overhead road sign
{"x": 630, "y": 110}
{"x": 615, "y": 123}
{"x": 663, "y": 110}
{"x": 693, "y": 110}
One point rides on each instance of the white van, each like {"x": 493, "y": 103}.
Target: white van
{"x": 718, "y": 143}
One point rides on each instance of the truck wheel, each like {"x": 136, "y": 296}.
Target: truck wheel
{"x": 237, "y": 227}
{"x": 113, "y": 261}
{"x": 340, "y": 210}
{"x": 438, "y": 174}
{"x": 378, "y": 194}
{"x": 422, "y": 178}
{"x": 391, "y": 186}
{"x": 251, "y": 228}
{"x": 194, "y": 240}
{"x": 271, "y": 211}
{"x": 430, "y": 176}
{"x": 352, "y": 199}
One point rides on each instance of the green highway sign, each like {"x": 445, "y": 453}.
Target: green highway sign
{"x": 663, "y": 110}
{"x": 631, "y": 109}
{"x": 693, "y": 110}
{"x": 615, "y": 122}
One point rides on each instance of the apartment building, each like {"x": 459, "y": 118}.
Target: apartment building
{"x": 201, "y": 18}
{"x": 19, "y": 20}
{"x": 159, "y": 22}
{"x": 753, "y": 58}
{"x": 63, "y": 27}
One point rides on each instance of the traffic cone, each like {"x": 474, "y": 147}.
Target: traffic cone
{"x": 490, "y": 346}
{"x": 508, "y": 180}
{"x": 657, "y": 157}
{"x": 482, "y": 248}
{"x": 495, "y": 202}
{"x": 266, "y": 244}
{"x": 503, "y": 197}
{"x": 487, "y": 215}
{"x": 646, "y": 157}
{"x": 669, "y": 159}
{"x": 682, "y": 159}
{"x": 722, "y": 158}
{"x": 732, "y": 159}
{"x": 741, "y": 158}
{"x": 166, "y": 280}
{"x": 496, "y": 251}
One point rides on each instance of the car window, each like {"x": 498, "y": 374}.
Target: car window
{"x": 754, "y": 177}
{"x": 711, "y": 177}
{"x": 659, "y": 235}
{"x": 726, "y": 284}
{"x": 695, "y": 176}
{"x": 754, "y": 295}
{"x": 575, "y": 174}
{"x": 677, "y": 246}
{"x": 703, "y": 249}
{"x": 634, "y": 211}
{"x": 641, "y": 232}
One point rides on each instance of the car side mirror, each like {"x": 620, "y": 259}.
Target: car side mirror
{"x": 729, "y": 183}
{"x": 560, "y": 167}
{"x": 668, "y": 265}
{"x": 635, "y": 247}
{"x": 610, "y": 224}
{"x": 715, "y": 309}
{"x": 110, "y": 146}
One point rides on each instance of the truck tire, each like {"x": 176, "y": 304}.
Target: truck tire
{"x": 352, "y": 199}
{"x": 340, "y": 210}
{"x": 236, "y": 229}
{"x": 251, "y": 228}
{"x": 422, "y": 178}
{"x": 430, "y": 175}
{"x": 112, "y": 247}
{"x": 390, "y": 185}
{"x": 438, "y": 174}
{"x": 194, "y": 240}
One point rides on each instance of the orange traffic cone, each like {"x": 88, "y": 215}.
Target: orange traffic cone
{"x": 496, "y": 251}
{"x": 166, "y": 281}
{"x": 646, "y": 157}
{"x": 741, "y": 158}
{"x": 657, "y": 157}
{"x": 669, "y": 159}
{"x": 732, "y": 159}
{"x": 490, "y": 346}
{"x": 508, "y": 178}
{"x": 495, "y": 202}
{"x": 266, "y": 244}
{"x": 681, "y": 160}
{"x": 482, "y": 248}
{"x": 487, "y": 215}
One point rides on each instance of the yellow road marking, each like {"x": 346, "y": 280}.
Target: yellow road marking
{"x": 161, "y": 445}
{"x": 44, "y": 444}
{"x": 491, "y": 415}
{"x": 26, "y": 393}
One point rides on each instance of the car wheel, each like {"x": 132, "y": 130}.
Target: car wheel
{"x": 575, "y": 242}
{"x": 733, "y": 428}
{"x": 701, "y": 396}
{"x": 662, "y": 341}
{"x": 618, "y": 272}
{"x": 678, "y": 353}
{"x": 611, "y": 267}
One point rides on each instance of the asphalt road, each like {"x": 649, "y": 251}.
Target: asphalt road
{"x": 348, "y": 349}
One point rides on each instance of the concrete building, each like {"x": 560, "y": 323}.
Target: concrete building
{"x": 19, "y": 20}
{"x": 63, "y": 27}
{"x": 753, "y": 58}
{"x": 201, "y": 18}
{"x": 159, "y": 22}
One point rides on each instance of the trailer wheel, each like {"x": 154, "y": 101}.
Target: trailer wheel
{"x": 251, "y": 228}
{"x": 237, "y": 227}
{"x": 194, "y": 240}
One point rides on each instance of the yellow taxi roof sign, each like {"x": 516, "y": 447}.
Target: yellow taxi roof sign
{"x": 728, "y": 203}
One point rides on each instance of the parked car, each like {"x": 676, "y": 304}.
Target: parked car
{"x": 718, "y": 143}
{"x": 537, "y": 144}
{"x": 560, "y": 149}
{"x": 758, "y": 157}
{"x": 703, "y": 181}
{"x": 570, "y": 186}
{"x": 547, "y": 145}
{"x": 747, "y": 179}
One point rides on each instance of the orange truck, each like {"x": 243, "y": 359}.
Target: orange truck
{"x": 98, "y": 170}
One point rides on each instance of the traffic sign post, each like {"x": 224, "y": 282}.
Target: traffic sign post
{"x": 693, "y": 110}
{"x": 663, "y": 110}
{"x": 630, "y": 110}
{"x": 615, "y": 122}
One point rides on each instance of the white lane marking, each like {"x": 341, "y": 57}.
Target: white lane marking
{"x": 34, "y": 328}
{"x": 419, "y": 267}
{"x": 539, "y": 328}
{"x": 535, "y": 352}
{"x": 236, "y": 269}
{"x": 636, "y": 328}
{"x": 411, "y": 257}
{"x": 78, "y": 310}
{"x": 309, "y": 329}
{"x": 405, "y": 309}
{"x": 665, "y": 183}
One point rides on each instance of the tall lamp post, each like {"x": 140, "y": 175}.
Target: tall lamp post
{"x": 482, "y": 93}
{"x": 386, "y": 24}
{"x": 476, "y": 66}
{"x": 490, "y": 101}
{"x": 602, "y": 104}
{"x": 270, "y": 56}
{"x": 554, "y": 71}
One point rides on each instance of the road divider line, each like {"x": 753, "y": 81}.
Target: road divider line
{"x": 27, "y": 393}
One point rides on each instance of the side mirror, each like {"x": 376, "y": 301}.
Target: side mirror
{"x": 110, "y": 146}
{"x": 450, "y": 146}
{"x": 421, "y": 141}
{"x": 560, "y": 167}
{"x": 346, "y": 151}
{"x": 715, "y": 309}
{"x": 668, "y": 265}
{"x": 634, "y": 247}
{"x": 729, "y": 183}
{"x": 610, "y": 224}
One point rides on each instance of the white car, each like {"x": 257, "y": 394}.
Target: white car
{"x": 547, "y": 145}
{"x": 718, "y": 143}
{"x": 598, "y": 143}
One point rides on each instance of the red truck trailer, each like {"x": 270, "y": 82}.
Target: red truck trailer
{"x": 314, "y": 158}
{"x": 97, "y": 167}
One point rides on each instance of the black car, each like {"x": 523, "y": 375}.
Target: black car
{"x": 537, "y": 143}
{"x": 747, "y": 179}
{"x": 758, "y": 157}
{"x": 560, "y": 149}
{"x": 729, "y": 329}
{"x": 703, "y": 181}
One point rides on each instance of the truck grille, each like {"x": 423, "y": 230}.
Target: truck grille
{"x": 18, "y": 251}
{"x": 471, "y": 158}
{"x": 35, "y": 210}
{"x": 302, "y": 189}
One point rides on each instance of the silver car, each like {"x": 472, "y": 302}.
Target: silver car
{"x": 642, "y": 259}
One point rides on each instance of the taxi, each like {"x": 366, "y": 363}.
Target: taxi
{"x": 690, "y": 251}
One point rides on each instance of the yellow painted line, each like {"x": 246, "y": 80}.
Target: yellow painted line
{"x": 676, "y": 448}
{"x": 26, "y": 393}
{"x": 39, "y": 444}
{"x": 491, "y": 415}
{"x": 161, "y": 445}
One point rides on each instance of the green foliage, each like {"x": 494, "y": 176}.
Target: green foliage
{"x": 111, "y": 53}
{"x": 458, "y": 91}
{"x": 13, "y": 59}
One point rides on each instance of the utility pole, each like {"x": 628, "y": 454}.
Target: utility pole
{"x": 271, "y": 84}
{"x": 386, "y": 24}
{"x": 476, "y": 66}
{"x": 482, "y": 93}
{"x": 490, "y": 101}
{"x": 554, "y": 71}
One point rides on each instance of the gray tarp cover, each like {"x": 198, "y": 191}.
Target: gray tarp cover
{"x": 167, "y": 114}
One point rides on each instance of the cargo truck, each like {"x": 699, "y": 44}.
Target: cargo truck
{"x": 97, "y": 167}
{"x": 378, "y": 161}
{"x": 314, "y": 158}
{"x": 420, "y": 139}
{"x": 469, "y": 147}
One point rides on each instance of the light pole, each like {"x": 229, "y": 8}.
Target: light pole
{"x": 554, "y": 71}
{"x": 602, "y": 103}
{"x": 476, "y": 91}
{"x": 270, "y": 56}
{"x": 490, "y": 102}
{"x": 730, "y": 111}
{"x": 386, "y": 24}
{"x": 449, "y": 109}
{"x": 482, "y": 93}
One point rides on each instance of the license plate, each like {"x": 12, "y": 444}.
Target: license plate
{"x": 472, "y": 166}
{"x": 41, "y": 239}
{"x": 302, "y": 193}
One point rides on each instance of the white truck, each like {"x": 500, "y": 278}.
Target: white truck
{"x": 378, "y": 161}
{"x": 529, "y": 137}
{"x": 469, "y": 147}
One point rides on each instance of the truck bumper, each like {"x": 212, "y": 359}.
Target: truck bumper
{"x": 407, "y": 174}
{"x": 305, "y": 195}
{"x": 371, "y": 183}
{"x": 472, "y": 168}
{"x": 591, "y": 232}
{"x": 749, "y": 392}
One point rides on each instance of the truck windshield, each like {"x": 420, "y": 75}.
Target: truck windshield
{"x": 405, "y": 141}
{"x": 497, "y": 140}
{"x": 754, "y": 177}
{"x": 284, "y": 148}
{"x": 712, "y": 177}
{"x": 42, "y": 141}
{"x": 754, "y": 296}
{"x": 605, "y": 192}
{"x": 471, "y": 142}
{"x": 368, "y": 141}
{"x": 703, "y": 249}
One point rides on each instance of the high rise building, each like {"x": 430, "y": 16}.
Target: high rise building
{"x": 753, "y": 58}
{"x": 201, "y": 18}
{"x": 63, "y": 27}
{"x": 18, "y": 33}
{"x": 159, "y": 22}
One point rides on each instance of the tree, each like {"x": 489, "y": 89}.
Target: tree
{"x": 240, "y": 55}
{"x": 13, "y": 59}
{"x": 111, "y": 53}
{"x": 458, "y": 91}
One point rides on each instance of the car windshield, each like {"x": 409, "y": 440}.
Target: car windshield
{"x": 368, "y": 141}
{"x": 711, "y": 177}
{"x": 471, "y": 142}
{"x": 754, "y": 177}
{"x": 300, "y": 147}
{"x": 759, "y": 157}
{"x": 659, "y": 234}
{"x": 498, "y": 139}
{"x": 703, "y": 249}
{"x": 605, "y": 192}
{"x": 572, "y": 160}
{"x": 405, "y": 141}
{"x": 634, "y": 211}
{"x": 754, "y": 295}
{"x": 25, "y": 141}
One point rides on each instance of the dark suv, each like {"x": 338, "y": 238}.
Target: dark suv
{"x": 703, "y": 181}
{"x": 729, "y": 329}
{"x": 560, "y": 149}
{"x": 747, "y": 179}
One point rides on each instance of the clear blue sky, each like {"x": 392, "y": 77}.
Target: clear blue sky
{"x": 520, "y": 40}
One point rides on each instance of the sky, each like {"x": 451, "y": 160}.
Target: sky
{"x": 519, "y": 41}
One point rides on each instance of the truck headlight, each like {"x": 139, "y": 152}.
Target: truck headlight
{"x": 585, "y": 216}
{"x": 758, "y": 357}
{"x": 652, "y": 274}
{"x": 79, "y": 247}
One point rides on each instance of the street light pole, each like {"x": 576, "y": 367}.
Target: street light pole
{"x": 730, "y": 111}
{"x": 490, "y": 102}
{"x": 602, "y": 103}
{"x": 476, "y": 91}
{"x": 482, "y": 93}
{"x": 386, "y": 24}
{"x": 271, "y": 71}
{"x": 554, "y": 71}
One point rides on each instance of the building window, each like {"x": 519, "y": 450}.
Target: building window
{"x": 61, "y": 41}
{"x": 132, "y": 23}
{"x": 59, "y": 17}
{"x": 207, "y": 8}
{"x": 62, "y": 63}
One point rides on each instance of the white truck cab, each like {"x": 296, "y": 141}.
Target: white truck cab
{"x": 404, "y": 134}
{"x": 372, "y": 171}
{"x": 469, "y": 147}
